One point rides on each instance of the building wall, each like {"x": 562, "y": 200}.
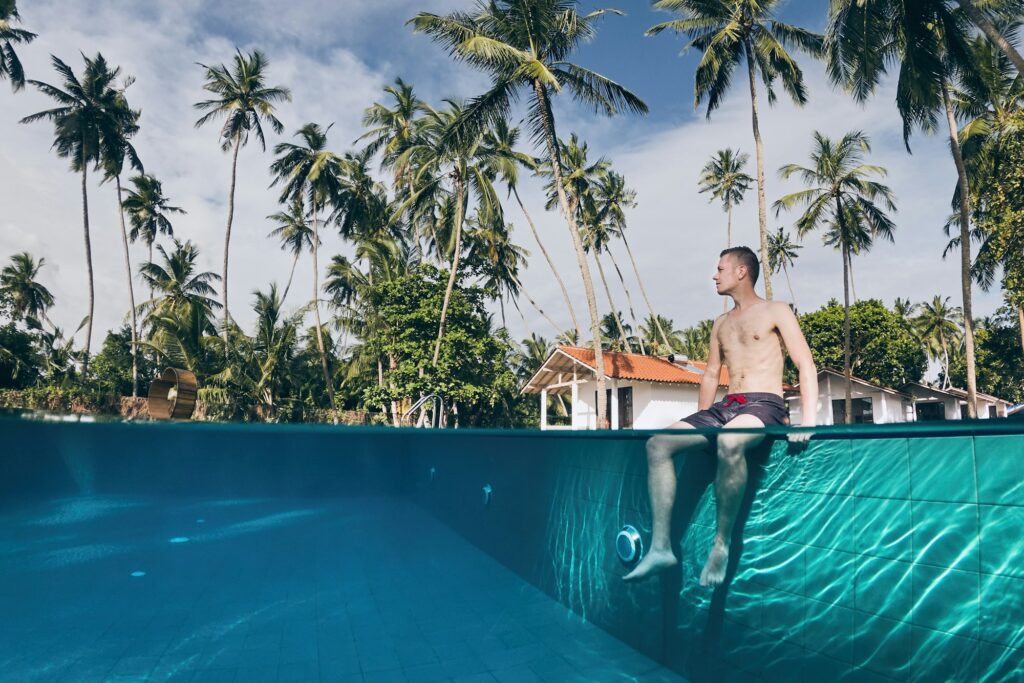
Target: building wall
{"x": 886, "y": 407}
{"x": 655, "y": 405}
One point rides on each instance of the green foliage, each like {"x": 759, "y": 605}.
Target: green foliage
{"x": 471, "y": 372}
{"x": 1000, "y": 216}
{"x": 20, "y": 363}
{"x": 882, "y": 348}
{"x": 997, "y": 346}
{"x": 111, "y": 368}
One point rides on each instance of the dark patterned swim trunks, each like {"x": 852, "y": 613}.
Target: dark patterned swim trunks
{"x": 769, "y": 408}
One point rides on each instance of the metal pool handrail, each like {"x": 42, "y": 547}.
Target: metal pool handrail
{"x": 438, "y": 408}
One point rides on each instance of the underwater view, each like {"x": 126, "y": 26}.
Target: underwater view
{"x": 160, "y": 552}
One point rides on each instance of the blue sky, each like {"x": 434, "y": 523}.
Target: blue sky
{"x": 336, "y": 57}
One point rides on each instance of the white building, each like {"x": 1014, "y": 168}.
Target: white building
{"x": 643, "y": 392}
{"x": 988, "y": 406}
{"x": 873, "y": 403}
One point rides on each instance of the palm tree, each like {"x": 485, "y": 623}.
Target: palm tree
{"x": 10, "y": 65}
{"x": 493, "y": 257}
{"x": 905, "y": 310}
{"x": 782, "y": 251}
{"x": 938, "y": 325}
{"x": 981, "y": 18}
{"x": 147, "y": 210}
{"x": 438, "y": 155}
{"x": 611, "y": 199}
{"x": 991, "y": 102}
{"x": 243, "y": 99}
{"x": 392, "y": 130}
{"x": 929, "y": 41}
{"x": 501, "y": 139}
{"x": 652, "y": 329}
{"x": 259, "y": 370}
{"x": 697, "y": 340}
{"x": 579, "y": 177}
{"x": 525, "y": 45}
{"x": 116, "y": 150}
{"x": 180, "y": 317}
{"x": 311, "y": 174}
{"x": 729, "y": 32}
{"x": 295, "y": 234}
{"x": 724, "y": 178}
{"x": 29, "y": 298}
{"x": 841, "y": 198}
{"x": 90, "y": 114}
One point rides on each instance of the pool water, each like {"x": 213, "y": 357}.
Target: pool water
{"x": 102, "y": 588}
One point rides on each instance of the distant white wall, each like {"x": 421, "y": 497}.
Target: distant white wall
{"x": 656, "y": 405}
{"x": 885, "y": 407}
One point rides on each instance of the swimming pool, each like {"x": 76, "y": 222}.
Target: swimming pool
{"x": 255, "y": 552}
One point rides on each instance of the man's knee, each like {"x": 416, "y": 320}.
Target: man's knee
{"x": 659, "y": 449}
{"x": 733, "y": 446}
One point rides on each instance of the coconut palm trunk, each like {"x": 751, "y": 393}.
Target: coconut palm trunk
{"x": 992, "y": 33}
{"x": 965, "y": 253}
{"x": 291, "y": 274}
{"x": 849, "y": 266}
{"x": 460, "y": 209}
{"x": 131, "y": 291}
{"x": 643, "y": 292}
{"x": 319, "y": 325}
{"x": 554, "y": 325}
{"x": 945, "y": 363}
{"x": 227, "y": 237}
{"x": 88, "y": 264}
{"x": 1020, "y": 322}
{"x": 551, "y": 263}
{"x": 762, "y": 211}
{"x": 611, "y": 304}
{"x": 728, "y": 224}
{"x": 577, "y": 243}
{"x": 629, "y": 301}
{"x": 792, "y": 295}
{"x": 847, "y": 371}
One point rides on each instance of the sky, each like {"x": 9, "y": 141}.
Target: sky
{"x": 337, "y": 57}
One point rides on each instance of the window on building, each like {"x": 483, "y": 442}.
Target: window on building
{"x": 931, "y": 411}
{"x": 861, "y": 410}
{"x": 992, "y": 412}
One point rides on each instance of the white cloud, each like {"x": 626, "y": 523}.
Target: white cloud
{"x": 676, "y": 233}
{"x": 336, "y": 57}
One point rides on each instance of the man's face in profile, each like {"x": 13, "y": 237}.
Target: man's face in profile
{"x": 727, "y": 275}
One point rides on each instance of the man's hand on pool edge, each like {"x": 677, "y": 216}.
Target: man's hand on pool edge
{"x": 800, "y": 438}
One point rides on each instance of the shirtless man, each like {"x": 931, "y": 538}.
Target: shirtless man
{"x": 749, "y": 340}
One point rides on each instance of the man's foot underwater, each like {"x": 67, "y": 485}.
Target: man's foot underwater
{"x": 714, "y": 568}
{"x": 654, "y": 562}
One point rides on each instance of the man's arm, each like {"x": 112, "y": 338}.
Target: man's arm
{"x": 800, "y": 352}
{"x": 712, "y": 374}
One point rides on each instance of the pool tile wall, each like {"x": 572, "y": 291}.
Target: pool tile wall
{"x": 895, "y": 558}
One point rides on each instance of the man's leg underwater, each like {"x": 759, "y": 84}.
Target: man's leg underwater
{"x": 661, "y": 483}
{"x": 730, "y": 484}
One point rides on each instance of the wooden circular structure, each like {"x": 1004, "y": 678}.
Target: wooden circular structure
{"x": 172, "y": 396}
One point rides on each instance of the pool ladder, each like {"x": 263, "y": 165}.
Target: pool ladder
{"x": 438, "y": 404}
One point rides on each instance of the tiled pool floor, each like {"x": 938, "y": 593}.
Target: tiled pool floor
{"x": 363, "y": 589}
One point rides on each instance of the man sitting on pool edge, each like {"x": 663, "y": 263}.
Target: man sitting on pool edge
{"x": 749, "y": 340}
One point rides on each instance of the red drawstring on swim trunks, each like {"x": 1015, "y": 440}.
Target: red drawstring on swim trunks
{"x": 734, "y": 398}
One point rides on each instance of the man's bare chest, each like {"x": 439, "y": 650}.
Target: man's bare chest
{"x": 747, "y": 332}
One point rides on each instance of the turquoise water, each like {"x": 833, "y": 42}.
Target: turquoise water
{"x": 254, "y": 552}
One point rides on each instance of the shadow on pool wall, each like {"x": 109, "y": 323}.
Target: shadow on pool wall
{"x": 869, "y": 559}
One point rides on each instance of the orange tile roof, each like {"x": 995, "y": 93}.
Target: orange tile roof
{"x": 640, "y": 367}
